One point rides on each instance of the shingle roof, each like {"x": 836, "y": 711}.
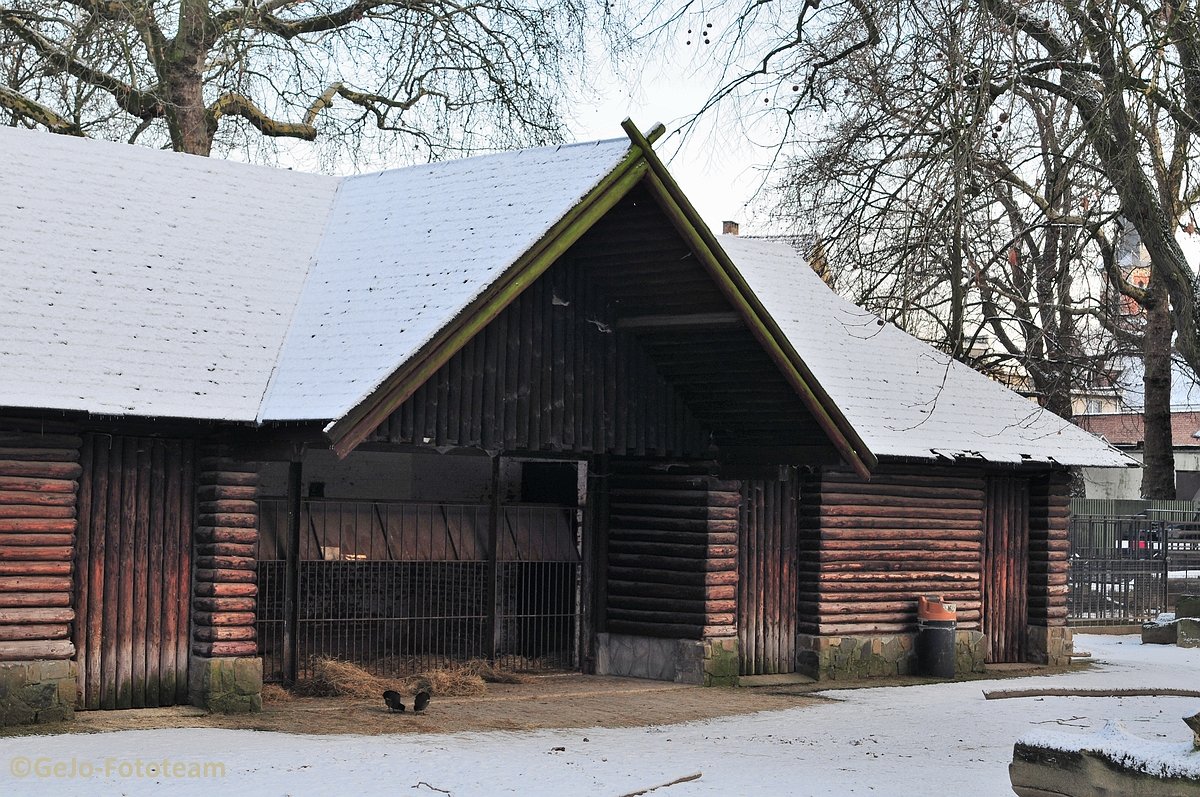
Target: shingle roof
{"x": 405, "y": 251}
{"x": 142, "y": 282}
{"x": 150, "y": 283}
{"x": 903, "y": 397}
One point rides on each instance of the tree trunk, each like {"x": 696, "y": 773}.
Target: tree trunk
{"x": 1158, "y": 469}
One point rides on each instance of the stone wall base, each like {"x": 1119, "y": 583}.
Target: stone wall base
{"x": 226, "y": 685}
{"x": 36, "y": 691}
{"x": 707, "y": 662}
{"x": 835, "y": 658}
{"x": 1050, "y": 645}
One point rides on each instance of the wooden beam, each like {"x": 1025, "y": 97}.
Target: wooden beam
{"x": 688, "y": 321}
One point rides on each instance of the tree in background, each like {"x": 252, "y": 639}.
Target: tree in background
{"x": 968, "y": 164}
{"x": 196, "y": 75}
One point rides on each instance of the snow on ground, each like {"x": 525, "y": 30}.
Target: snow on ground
{"x": 895, "y": 741}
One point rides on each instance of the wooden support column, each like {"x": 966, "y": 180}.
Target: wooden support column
{"x": 225, "y": 587}
{"x": 291, "y": 587}
{"x": 493, "y": 572}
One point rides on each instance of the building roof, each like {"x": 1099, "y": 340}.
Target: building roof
{"x": 150, "y": 283}
{"x": 1128, "y": 428}
{"x": 905, "y": 398}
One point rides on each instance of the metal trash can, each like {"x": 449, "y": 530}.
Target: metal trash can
{"x": 937, "y": 622}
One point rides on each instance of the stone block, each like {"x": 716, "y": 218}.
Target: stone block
{"x": 1159, "y": 633}
{"x": 36, "y": 692}
{"x": 1187, "y": 606}
{"x": 226, "y": 685}
{"x": 1188, "y": 632}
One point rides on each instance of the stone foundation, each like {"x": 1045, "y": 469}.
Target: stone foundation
{"x": 226, "y": 685}
{"x": 837, "y": 658}
{"x": 707, "y": 662}
{"x": 1050, "y": 645}
{"x": 36, "y": 691}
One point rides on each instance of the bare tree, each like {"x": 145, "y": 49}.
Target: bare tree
{"x": 989, "y": 150}
{"x": 199, "y": 74}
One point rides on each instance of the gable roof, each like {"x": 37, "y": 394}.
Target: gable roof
{"x": 905, "y": 398}
{"x": 168, "y": 285}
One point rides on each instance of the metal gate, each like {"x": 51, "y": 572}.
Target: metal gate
{"x": 767, "y": 585}
{"x": 133, "y": 572}
{"x": 1006, "y": 568}
{"x": 403, "y": 586}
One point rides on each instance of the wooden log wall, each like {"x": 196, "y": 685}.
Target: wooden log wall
{"x": 226, "y": 588}
{"x": 136, "y": 501}
{"x": 550, "y": 373}
{"x": 1049, "y": 521}
{"x": 869, "y": 548}
{"x": 1006, "y": 567}
{"x": 39, "y": 481}
{"x": 672, "y": 553}
{"x": 767, "y": 587}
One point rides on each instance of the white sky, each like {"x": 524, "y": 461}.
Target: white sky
{"x": 716, "y": 169}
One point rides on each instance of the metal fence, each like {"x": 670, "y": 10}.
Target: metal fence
{"x": 1129, "y": 568}
{"x": 404, "y": 587}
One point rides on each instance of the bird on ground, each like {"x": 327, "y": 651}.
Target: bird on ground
{"x": 420, "y": 701}
{"x": 393, "y": 701}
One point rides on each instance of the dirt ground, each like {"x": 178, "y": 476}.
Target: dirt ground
{"x": 547, "y": 701}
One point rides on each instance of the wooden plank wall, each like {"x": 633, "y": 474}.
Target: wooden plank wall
{"x": 551, "y": 373}
{"x": 869, "y": 548}
{"x": 672, "y": 553}
{"x": 39, "y": 479}
{"x": 134, "y": 574}
{"x": 226, "y": 587}
{"x": 767, "y": 587}
{"x": 1006, "y": 567}
{"x": 1049, "y": 521}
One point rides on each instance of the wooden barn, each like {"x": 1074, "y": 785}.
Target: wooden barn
{"x": 523, "y": 407}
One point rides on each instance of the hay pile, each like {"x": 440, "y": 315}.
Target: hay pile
{"x": 274, "y": 693}
{"x": 337, "y": 678}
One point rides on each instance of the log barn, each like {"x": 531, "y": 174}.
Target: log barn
{"x": 524, "y": 407}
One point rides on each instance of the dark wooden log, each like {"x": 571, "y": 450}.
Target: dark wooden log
{"x": 226, "y": 549}
{"x": 40, "y": 469}
{"x": 221, "y": 492}
{"x": 34, "y": 650}
{"x": 220, "y": 649}
{"x": 37, "y": 525}
{"x": 34, "y": 599}
{"x": 34, "y": 583}
{"x": 226, "y": 519}
{"x": 219, "y": 534}
{"x": 224, "y": 618}
{"x": 223, "y": 604}
{"x": 36, "y": 615}
{"x": 226, "y": 590}
{"x": 232, "y": 576}
{"x": 19, "y": 439}
{"x": 66, "y": 540}
{"x": 26, "y": 553}
{"x": 229, "y": 479}
{"x": 226, "y": 563}
{"x": 205, "y": 633}
{"x": 29, "y": 484}
{"x": 34, "y": 511}
{"x": 26, "y": 568}
{"x": 39, "y": 454}
{"x": 26, "y": 497}
{"x": 34, "y": 632}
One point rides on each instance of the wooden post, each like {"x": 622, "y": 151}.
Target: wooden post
{"x": 493, "y": 593}
{"x": 291, "y": 588}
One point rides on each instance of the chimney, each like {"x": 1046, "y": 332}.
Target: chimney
{"x": 729, "y": 228}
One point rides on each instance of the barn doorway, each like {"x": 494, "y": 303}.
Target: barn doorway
{"x": 133, "y": 572}
{"x": 1006, "y": 568}
{"x": 768, "y": 588}
{"x": 434, "y": 560}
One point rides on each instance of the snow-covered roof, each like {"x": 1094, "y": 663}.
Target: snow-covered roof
{"x": 149, "y": 283}
{"x": 142, "y": 282}
{"x": 405, "y": 251}
{"x": 903, "y": 397}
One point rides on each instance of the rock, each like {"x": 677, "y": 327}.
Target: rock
{"x": 1188, "y": 635}
{"x": 1187, "y": 606}
{"x": 1159, "y": 633}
